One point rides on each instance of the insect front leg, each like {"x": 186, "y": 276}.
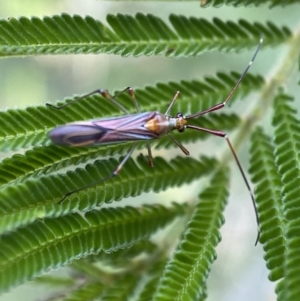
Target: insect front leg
{"x": 112, "y": 175}
{"x": 184, "y": 150}
{"x": 172, "y": 102}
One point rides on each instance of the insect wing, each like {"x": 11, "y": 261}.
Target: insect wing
{"x": 104, "y": 131}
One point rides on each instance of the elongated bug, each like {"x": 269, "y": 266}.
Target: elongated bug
{"x": 140, "y": 126}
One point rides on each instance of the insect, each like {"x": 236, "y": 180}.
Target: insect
{"x": 140, "y": 126}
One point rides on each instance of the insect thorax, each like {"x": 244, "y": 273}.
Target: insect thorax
{"x": 160, "y": 124}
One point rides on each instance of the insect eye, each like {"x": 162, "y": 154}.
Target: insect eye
{"x": 179, "y": 115}
{"x": 181, "y": 130}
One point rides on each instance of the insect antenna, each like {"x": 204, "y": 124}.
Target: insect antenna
{"x": 222, "y": 104}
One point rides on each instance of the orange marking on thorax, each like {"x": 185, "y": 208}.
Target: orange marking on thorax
{"x": 152, "y": 125}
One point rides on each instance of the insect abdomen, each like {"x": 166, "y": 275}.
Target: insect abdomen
{"x": 76, "y": 135}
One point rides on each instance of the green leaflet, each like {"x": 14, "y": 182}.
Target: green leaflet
{"x": 128, "y": 35}
{"x": 23, "y": 203}
{"x": 186, "y": 272}
{"x": 269, "y": 201}
{"x": 271, "y": 3}
{"x": 287, "y": 135}
{"x": 275, "y": 169}
{"x": 50, "y": 243}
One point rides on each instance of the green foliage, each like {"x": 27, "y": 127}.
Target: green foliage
{"x": 287, "y": 160}
{"x": 128, "y": 35}
{"x": 268, "y": 198}
{"x": 275, "y": 169}
{"x": 110, "y": 247}
{"x": 23, "y": 203}
{"x": 46, "y": 244}
{"x": 189, "y": 267}
{"x": 271, "y": 3}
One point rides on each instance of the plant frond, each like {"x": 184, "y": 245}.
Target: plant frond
{"x": 287, "y": 137}
{"x": 23, "y": 203}
{"x": 272, "y": 3}
{"x": 269, "y": 201}
{"x": 52, "y": 243}
{"x": 21, "y": 128}
{"x": 43, "y": 160}
{"x": 129, "y": 35}
{"x": 187, "y": 271}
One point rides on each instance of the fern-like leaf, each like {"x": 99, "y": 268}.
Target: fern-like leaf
{"x": 51, "y": 243}
{"x": 23, "y": 203}
{"x": 287, "y": 137}
{"x": 272, "y": 3}
{"x": 275, "y": 168}
{"x": 128, "y": 35}
{"x": 269, "y": 201}
{"x": 185, "y": 274}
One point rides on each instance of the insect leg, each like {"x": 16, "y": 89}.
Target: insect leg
{"x": 112, "y": 175}
{"x": 184, "y": 150}
{"x": 132, "y": 95}
{"x": 150, "y": 157}
{"x": 221, "y": 134}
{"x": 172, "y": 102}
{"x": 104, "y": 93}
{"x": 222, "y": 104}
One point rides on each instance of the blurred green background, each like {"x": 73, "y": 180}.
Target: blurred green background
{"x": 239, "y": 272}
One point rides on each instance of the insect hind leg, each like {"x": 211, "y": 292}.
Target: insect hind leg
{"x": 112, "y": 175}
{"x": 223, "y": 135}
